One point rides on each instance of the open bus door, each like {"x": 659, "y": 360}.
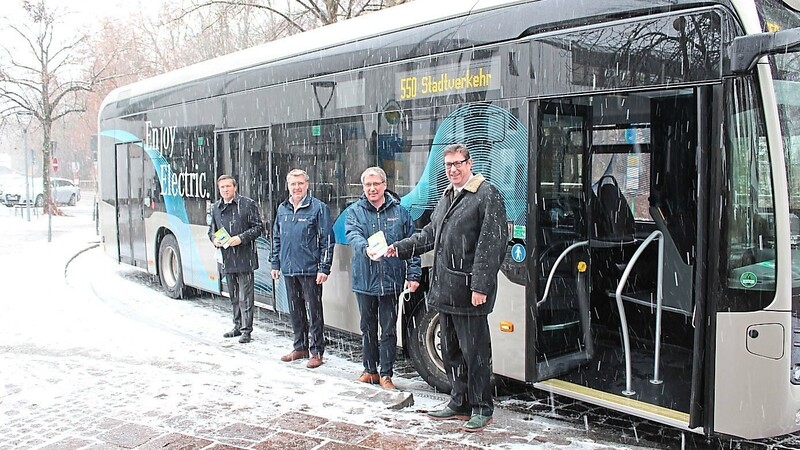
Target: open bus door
{"x": 559, "y": 271}
{"x": 616, "y": 183}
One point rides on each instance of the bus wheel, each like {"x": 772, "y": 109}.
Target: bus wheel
{"x": 424, "y": 347}
{"x": 170, "y": 270}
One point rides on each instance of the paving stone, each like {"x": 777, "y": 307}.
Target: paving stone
{"x": 340, "y": 446}
{"x": 393, "y": 441}
{"x": 176, "y": 441}
{"x": 288, "y": 441}
{"x": 223, "y": 447}
{"x": 495, "y": 436}
{"x": 244, "y": 431}
{"x": 342, "y": 431}
{"x": 551, "y": 439}
{"x": 238, "y": 443}
{"x": 104, "y": 423}
{"x": 130, "y": 435}
{"x": 447, "y": 445}
{"x": 69, "y": 443}
{"x": 104, "y": 446}
{"x": 298, "y": 422}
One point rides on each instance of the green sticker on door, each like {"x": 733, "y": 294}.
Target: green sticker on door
{"x": 748, "y": 279}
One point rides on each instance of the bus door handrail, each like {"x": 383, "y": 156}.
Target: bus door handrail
{"x": 657, "y": 234}
{"x": 555, "y": 266}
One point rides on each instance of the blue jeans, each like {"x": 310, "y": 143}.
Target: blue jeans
{"x": 374, "y": 310}
{"x": 305, "y": 301}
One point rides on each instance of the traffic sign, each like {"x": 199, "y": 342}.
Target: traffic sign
{"x": 55, "y": 164}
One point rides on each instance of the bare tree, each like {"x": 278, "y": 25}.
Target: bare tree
{"x": 47, "y": 76}
{"x": 301, "y": 15}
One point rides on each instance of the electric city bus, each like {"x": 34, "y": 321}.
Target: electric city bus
{"x": 648, "y": 152}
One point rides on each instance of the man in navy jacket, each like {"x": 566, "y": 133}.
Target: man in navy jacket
{"x": 235, "y": 225}
{"x": 377, "y": 281}
{"x": 302, "y": 250}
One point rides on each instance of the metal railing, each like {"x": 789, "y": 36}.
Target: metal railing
{"x": 659, "y": 300}
{"x": 555, "y": 266}
{"x": 655, "y": 235}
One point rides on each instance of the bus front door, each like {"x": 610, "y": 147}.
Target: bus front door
{"x": 614, "y": 187}
{"x": 558, "y": 294}
{"x": 130, "y": 204}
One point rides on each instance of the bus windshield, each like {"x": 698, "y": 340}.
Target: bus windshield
{"x": 786, "y": 75}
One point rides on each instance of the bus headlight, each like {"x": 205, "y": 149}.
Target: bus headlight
{"x": 797, "y": 418}
{"x": 796, "y": 374}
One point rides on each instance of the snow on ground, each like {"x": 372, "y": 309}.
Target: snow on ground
{"x": 94, "y": 341}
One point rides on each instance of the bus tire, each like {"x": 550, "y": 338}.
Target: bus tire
{"x": 170, "y": 268}
{"x": 424, "y": 347}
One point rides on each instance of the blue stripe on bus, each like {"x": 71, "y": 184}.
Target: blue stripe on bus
{"x": 175, "y": 207}
{"x": 504, "y": 161}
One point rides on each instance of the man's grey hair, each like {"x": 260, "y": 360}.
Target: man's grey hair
{"x": 373, "y": 171}
{"x": 296, "y": 173}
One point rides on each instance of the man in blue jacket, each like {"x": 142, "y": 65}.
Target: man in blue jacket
{"x": 302, "y": 250}
{"x": 235, "y": 225}
{"x": 377, "y": 282}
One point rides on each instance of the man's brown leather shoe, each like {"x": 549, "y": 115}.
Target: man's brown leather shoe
{"x": 386, "y": 383}
{"x": 314, "y": 362}
{"x": 370, "y": 378}
{"x": 296, "y": 354}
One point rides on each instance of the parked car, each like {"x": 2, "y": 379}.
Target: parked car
{"x": 63, "y": 191}
{"x": 10, "y": 187}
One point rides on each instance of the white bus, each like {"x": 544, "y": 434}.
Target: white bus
{"x": 648, "y": 153}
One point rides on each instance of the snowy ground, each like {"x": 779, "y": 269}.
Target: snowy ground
{"x": 87, "y": 350}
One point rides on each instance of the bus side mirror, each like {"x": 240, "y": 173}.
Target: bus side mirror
{"x": 745, "y": 51}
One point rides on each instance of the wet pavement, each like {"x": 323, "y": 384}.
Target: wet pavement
{"x": 93, "y": 356}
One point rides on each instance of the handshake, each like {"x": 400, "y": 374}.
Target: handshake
{"x": 377, "y": 247}
{"x": 376, "y": 255}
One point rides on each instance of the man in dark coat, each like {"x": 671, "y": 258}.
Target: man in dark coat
{"x": 378, "y": 281}
{"x": 235, "y": 226}
{"x": 468, "y": 234}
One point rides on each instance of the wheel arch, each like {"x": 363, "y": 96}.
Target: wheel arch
{"x": 160, "y": 234}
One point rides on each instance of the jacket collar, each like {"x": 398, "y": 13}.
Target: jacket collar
{"x": 234, "y": 200}
{"x": 303, "y": 203}
{"x": 388, "y": 200}
{"x": 472, "y": 185}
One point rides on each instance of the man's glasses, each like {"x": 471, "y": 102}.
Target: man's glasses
{"x": 373, "y": 185}
{"x": 456, "y": 164}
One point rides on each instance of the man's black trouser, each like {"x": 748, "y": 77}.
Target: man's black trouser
{"x": 242, "y": 299}
{"x": 467, "y": 356}
{"x": 305, "y": 301}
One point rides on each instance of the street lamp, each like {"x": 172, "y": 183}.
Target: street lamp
{"x": 24, "y": 120}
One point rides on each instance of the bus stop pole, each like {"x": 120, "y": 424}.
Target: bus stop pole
{"x": 27, "y": 175}
{"x": 50, "y": 203}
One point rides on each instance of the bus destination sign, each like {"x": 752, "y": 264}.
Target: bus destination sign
{"x": 448, "y": 79}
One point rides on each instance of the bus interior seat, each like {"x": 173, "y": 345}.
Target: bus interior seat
{"x": 614, "y": 239}
{"x": 616, "y": 223}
